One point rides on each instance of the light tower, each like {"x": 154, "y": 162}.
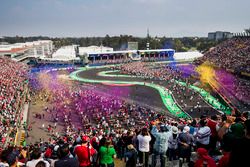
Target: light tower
{"x": 147, "y": 45}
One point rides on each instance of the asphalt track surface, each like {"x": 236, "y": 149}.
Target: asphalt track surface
{"x": 151, "y": 96}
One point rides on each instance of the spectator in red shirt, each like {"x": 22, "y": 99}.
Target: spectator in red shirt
{"x": 204, "y": 159}
{"x": 224, "y": 161}
{"x": 84, "y": 152}
{"x": 212, "y": 124}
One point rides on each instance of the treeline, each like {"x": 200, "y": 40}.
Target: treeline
{"x": 120, "y": 42}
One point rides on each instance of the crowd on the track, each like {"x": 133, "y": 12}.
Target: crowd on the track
{"x": 12, "y": 95}
{"x": 84, "y": 104}
{"x": 169, "y": 76}
{"x": 141, "y": 69}
{"x": 237, "y": 87}
{"x": 231, "y": 54}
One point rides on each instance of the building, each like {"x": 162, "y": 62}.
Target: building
{"x": 218, "y": 35}
{"x": 21, "y": 51}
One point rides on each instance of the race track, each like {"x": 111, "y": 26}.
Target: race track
{"x": 166, "y": 98}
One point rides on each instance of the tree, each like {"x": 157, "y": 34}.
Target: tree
{"x": 178, "y": 45}
{"x": 204, "y": 46}
{"x": 106, "y": 40}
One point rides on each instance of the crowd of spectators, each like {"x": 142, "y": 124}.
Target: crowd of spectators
{"x": 99, "y": 128}
{"x": 13, "y": 85}
{"x": 232, "y": 54}
{"x": 169, "y": 76}
{"x": 110, "y": 61}
{"x": 238, "y": 87}
{"x": 221, "y": 141}
{"x": 90, "y": 105}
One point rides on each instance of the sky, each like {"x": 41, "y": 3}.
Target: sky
{"x": 81, "y": 18}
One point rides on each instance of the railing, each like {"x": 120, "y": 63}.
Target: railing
{"x": 20, "y": 58}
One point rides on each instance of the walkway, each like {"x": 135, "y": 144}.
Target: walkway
{"x": 20, "y": 135}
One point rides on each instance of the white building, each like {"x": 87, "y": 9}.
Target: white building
{"x": 20, "y": 51}
{"x": 187, "y": 55}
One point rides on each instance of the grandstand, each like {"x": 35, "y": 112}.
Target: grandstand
{"x": 233, "y": 55}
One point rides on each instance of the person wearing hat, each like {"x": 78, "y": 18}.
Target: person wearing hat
{"x": 161, "y": 144}
{"x": 85, "y": 152}
{"x": 131, "y": 156}
{"x": 173, "y": 144}
{"x": 204, "y": 159}
{"x": 185, "y": 141}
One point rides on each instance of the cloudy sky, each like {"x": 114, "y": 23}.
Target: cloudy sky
{"x": 76, "y": 18}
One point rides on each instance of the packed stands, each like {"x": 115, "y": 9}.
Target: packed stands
{"x": 232, "y": 54}
{"x": 13, "y": 89}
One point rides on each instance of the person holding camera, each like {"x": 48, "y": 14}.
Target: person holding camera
{"x": 143, "y": 140}
{"x": 161, "y": 143}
